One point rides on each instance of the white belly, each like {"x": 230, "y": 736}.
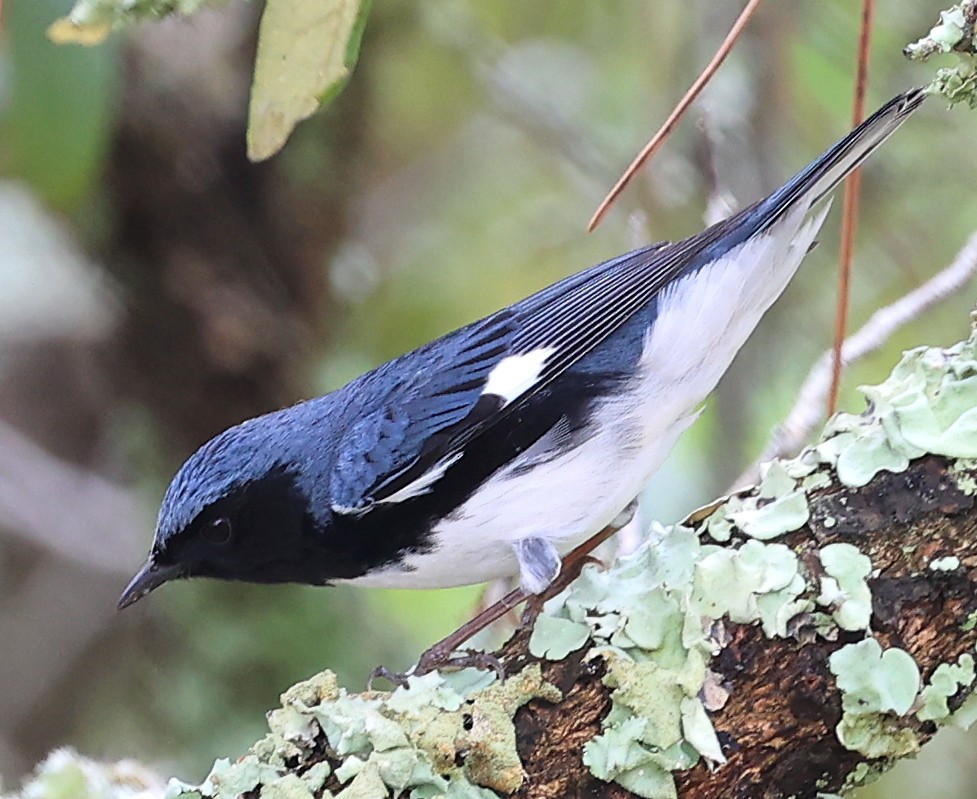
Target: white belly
{"x": 701, "y": 324}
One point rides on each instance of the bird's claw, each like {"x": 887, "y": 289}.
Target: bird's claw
{"x": 435, "y": 659}
{"x": 383, "y": 673}
{"x": 464, "y": 659}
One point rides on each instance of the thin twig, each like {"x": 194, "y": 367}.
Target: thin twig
{"x": 796, "y": 430}
{"x": 683, "y": 104}
{"x": 849, "y": 220}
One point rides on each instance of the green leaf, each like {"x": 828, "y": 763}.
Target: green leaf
{"x": 306, "y": 52}
{"x": 59, "y": 107}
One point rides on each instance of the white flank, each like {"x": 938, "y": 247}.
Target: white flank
{"x": 422, "y": 485}
{"x": 513, "y": 376}
{"x": 701, "y": 323}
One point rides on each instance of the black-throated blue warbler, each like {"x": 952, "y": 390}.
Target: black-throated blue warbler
{"x": 499, "y": 447}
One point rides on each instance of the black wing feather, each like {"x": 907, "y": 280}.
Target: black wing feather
{"x": 442, "y": 406}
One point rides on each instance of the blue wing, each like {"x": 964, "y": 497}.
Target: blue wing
{"x": 438, "y": 398}
{"x": 442, "y": 402}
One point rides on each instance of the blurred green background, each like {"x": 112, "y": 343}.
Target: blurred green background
{"x": 156, "y": 288}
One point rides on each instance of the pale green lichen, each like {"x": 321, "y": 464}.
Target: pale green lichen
{"x": 118, "y": 13}
{"x": 947, "y": 564}
{"x": 863, "y": 774}
{"x": 844, "y": 588}
{"x": 90, "y": 21}
{"x": 967, "y": 483}
{"x": 643, "y": 738}
{"x": 867, "y": 454}
{"x": 876, "y": 688}
{"x": 954, "y": 33}
{"x": 784, "y": 514}
{"x": 875, "y": 681}
{"x": 775, "y": 481}
{"x": 555, "y": 638}
{"x": 490, "y": 743}
{"x": 877, "y": 736}
{"x": 64, "y": 774}
{"x": 409, "y": 741}
{"x": 649, "y": 617}
{"x": 928, "y": 404}
{"x": 778, "y": 506}
{"x": 367, "y": 783}
{"x": 963, "y": 471}
{"x": 943, "y": 37}
{"x": 757, "y": 582}
{"x": 947, "y": 680}
{"x": 964, "y": 716}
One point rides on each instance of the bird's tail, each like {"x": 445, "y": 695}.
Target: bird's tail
{"x": 821, "y": 176}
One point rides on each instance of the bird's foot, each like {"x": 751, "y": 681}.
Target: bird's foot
{"x": 433, "y": 660}
{"x": 437, "y": 658}
{"x": 442, "y": 654}
{"x": 445, "y": 654}
{"x": 397, "y": 678}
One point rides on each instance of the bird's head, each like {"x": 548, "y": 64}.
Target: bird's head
{"x": 236, "y": 510}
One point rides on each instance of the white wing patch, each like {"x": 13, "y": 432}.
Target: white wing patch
{"x": 515, "y": 375}
{"x": 422, "y": 485}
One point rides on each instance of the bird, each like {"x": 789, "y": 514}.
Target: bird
{"x": 498, "y": 448}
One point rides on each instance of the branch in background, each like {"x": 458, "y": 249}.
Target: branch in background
{"x": 796, "y": 430}
{"x": 74, "y": 513}
{"x": 849, "y": 221}
{"x": 658, "y": 139}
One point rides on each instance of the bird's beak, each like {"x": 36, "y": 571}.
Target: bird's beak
{"x": 151, "y": 575}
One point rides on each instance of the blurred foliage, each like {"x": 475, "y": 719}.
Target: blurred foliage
{"x": 454, "y": 175}
{"x": 57, "y": 118}
{"x": 306, "y": 51}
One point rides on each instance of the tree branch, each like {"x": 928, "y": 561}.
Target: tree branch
{"x": 792, "y": 640}
{"x": 68, "y": 510}
{"x": 807, "y": 413}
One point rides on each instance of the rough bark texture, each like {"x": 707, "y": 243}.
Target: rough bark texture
{"x": 778, "y": 727}
{"x": 777, "y": 713}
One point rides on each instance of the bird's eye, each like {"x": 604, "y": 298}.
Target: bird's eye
{"x": 217, "y": 532}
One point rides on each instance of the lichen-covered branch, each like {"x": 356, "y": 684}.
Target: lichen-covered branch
{"x": 792, "y": 640}
{"x": 954, "y": 33}
{"x": 807, "y": 413}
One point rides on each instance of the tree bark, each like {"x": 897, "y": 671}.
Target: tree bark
{"x": 777, "y": 729}
{"x": 790, "y": 641}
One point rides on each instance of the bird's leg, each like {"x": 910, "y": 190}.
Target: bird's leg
{"x": 441, "y": 655}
